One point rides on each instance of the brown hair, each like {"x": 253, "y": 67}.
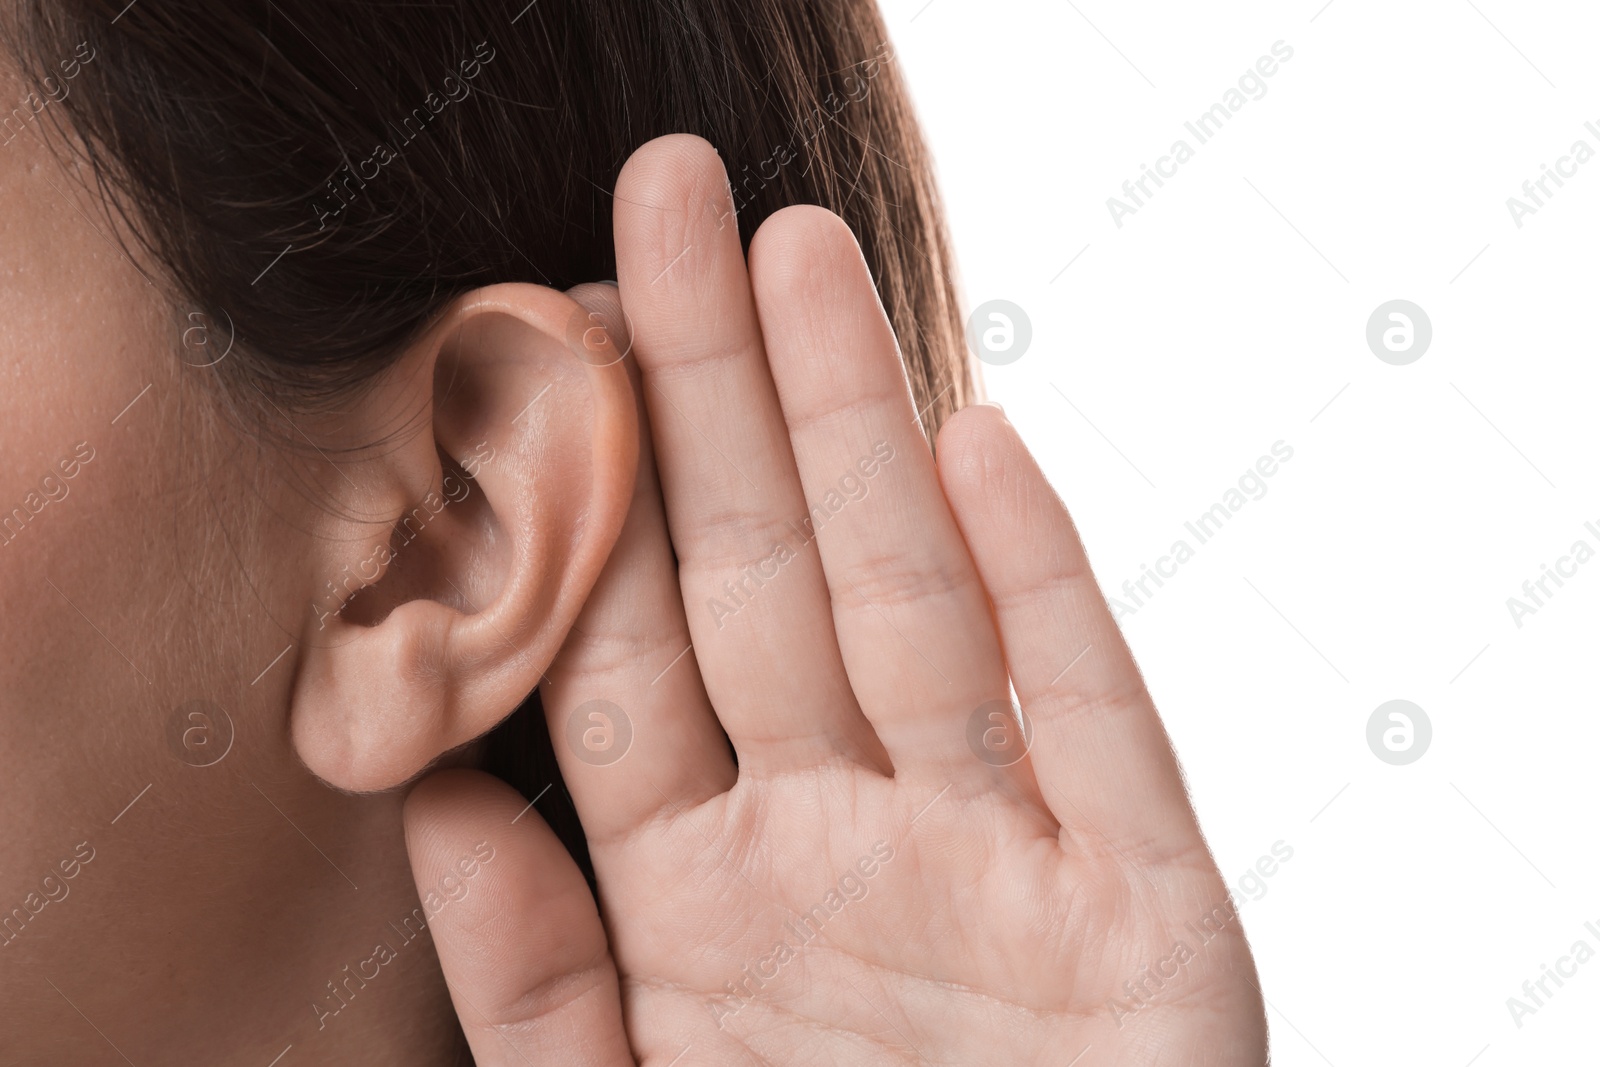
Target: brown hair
{"x": 325, "y": 175}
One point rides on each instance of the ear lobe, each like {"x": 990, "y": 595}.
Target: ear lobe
{"x": 505, "y": 508}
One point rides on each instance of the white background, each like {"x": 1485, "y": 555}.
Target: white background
{"x": 1230, "y": 313}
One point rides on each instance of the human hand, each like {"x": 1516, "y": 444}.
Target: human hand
{"x": 859, "y": 659}
{"x": 893, "y": 871}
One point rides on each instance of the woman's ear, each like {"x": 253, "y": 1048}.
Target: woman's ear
{"x": 464, "y": 545}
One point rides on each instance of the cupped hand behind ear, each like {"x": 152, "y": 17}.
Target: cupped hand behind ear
{"x": 897, "y": 869}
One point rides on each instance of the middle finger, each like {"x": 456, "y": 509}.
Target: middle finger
{"x": 753, "y": 586}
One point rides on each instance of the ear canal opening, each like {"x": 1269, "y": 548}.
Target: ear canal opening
{"x": 414, "y": 561}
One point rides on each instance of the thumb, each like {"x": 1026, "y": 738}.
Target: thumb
{"x": 516, "y": 929}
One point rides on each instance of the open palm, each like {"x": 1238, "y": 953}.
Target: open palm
{"x": 891, "y": 865}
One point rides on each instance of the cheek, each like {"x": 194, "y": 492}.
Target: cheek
{"x": 77, "y": 347}
{"x": 109, "y": 576}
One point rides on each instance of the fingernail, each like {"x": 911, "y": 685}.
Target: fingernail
{"x": 992, "y": 404}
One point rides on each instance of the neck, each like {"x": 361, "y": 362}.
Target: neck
{"x": 267, "y": 917}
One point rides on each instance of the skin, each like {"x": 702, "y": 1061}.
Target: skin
{"x": 144, "y": 588}
{"x": 974, "y": 906}
{"x": 241, "y": 860}
{"x": 189, "y": 560}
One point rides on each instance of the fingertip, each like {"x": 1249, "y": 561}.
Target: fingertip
{"x": 516, "y": 929}
{"x": 449, "y": 803}
{"x": 669, "y": 173}
{"x": 603, "y": 299}
{"x": 804, "y": 253}
{"x": 973, "y": 445}
{"x": 670, "y": 149}
{"x": 426, "y": 793}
